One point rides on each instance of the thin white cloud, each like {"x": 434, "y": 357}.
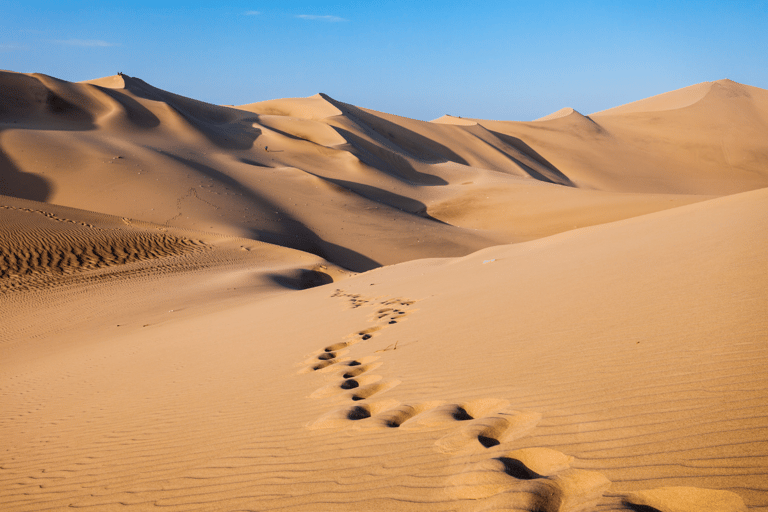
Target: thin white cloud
{"x": 333, "y": 19}
{"x": 252, "y": 13}
{"x": 87, "y": 43}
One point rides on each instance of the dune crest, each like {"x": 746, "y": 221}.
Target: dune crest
{"x": 313, "y": 107}
{"x": 673, "y": 100}
{"x": 563, "y": 112}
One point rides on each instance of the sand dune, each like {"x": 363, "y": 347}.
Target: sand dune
{"x": 566, "y": 314}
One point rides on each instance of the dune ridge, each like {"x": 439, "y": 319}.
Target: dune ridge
{"x": 304, "y": 304}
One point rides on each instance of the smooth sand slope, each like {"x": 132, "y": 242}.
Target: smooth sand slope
{"x": 560, "y": 315}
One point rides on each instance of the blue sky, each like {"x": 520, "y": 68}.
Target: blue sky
{"x": 495, "y": 60}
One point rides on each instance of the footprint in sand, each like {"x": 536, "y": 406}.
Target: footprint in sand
{"x": 324, "y": 358}
{"x": 542, "y": 480}
{"x": 488, "y": 431}
{"x": 389, "y": 316}
{"x": 355, "y": 299}
{"x": 356, "y": 416}
{"x": 398, "y": 416}
{"x": 538, "y": 479}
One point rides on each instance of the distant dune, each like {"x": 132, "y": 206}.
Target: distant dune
{"x": 303, "y": 304}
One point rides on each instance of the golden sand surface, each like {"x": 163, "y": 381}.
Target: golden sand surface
{"x": 305, "y": 305}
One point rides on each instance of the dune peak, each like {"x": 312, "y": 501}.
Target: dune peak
{"x": 563, "y": 112}
{"x": 108, "y": 82}
{"x": 457, "y": 120}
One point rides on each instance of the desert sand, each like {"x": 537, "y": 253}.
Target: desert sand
{"x": 305, "y": 305}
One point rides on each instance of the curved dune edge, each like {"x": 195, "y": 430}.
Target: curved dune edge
{"x": 563, "y": 112}
{"x": 449, "y": 119}
{"x": 672, "y": 100}
{"x": 313, "y": 108}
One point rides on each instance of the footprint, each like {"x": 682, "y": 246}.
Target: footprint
{"x": 349, "y": 384}
{"x": 449, "y": 414}
{"x": 488, "y": 432}
{"x": 368, "y": 391}
{"x": 404, "y": 413}
{"x": 685, "y": 499}
{"x": 359, "y": 369}
{"x": 366, "y": 334}
{"x": 461, "y": 414}
{"x": 439, "y": 416}
{"x": 358, "y": 412}
{"x": 349, "y": 417}
{"x": 337, "y": 388}
{"x": 323, "y": 360}
{"x": 529, "y": 463}
{"x": 338, "y": 346}
{"x": 570, "y": 491}
{"x": 323, "y": 364}
{"x": 363, "y": 361}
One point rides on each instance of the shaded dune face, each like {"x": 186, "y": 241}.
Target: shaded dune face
{"x": 358, "y": 187}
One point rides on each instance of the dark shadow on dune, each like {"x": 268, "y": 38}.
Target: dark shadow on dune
{"x": 385, "y": 198}
{"x": 223, "y": 126}
{"x": 302, "y": 279}
{"x": 549, "y": 173}
{"x": 301, "y": 238}
{"x": 407, "y": 141}
{"x": 386, "y": 160}
{"x": 136, "y": 113}
{"x": 295, "y": 235}
{"x": 27, "y": 103}
{"x": 252, "y": 162}
{"x": 542, "y": 174}
{"x": 517, "y": 469}
{"x": 640, "y": 508}
{"x": 16, "y": 183}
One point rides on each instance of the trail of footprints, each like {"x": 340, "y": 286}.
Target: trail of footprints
{"x": 537, "y": 479}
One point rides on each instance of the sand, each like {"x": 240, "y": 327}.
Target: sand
{"x": 301, "y": 304}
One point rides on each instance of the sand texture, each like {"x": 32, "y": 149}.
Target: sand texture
{"x": 305, "y": 305}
